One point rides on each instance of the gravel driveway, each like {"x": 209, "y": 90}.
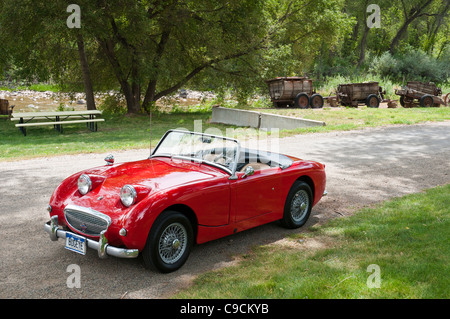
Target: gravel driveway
{"x": 363, "y": 167}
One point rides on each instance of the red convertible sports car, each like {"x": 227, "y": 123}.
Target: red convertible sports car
{"x": 193, "y": 188}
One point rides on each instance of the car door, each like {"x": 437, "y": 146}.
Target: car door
{"x": 255, "y": 195}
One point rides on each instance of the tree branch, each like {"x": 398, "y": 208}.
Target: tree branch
{"x": 199, "y": 69}
{"x": 119, "y": 37}
{"x": 150, "y": 92}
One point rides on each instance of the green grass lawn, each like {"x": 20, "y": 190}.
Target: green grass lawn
{"x": 133, "y": 131}
{"x": 406, "y": 238}
{"x": 40, "y": 87}
{"x": 116, "y": 133}
{"x": 342, "y": 118}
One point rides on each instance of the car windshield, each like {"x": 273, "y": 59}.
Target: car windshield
{"x": 199, "y": 147}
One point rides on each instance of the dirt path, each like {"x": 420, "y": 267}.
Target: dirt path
{"x": 363, "y": 167}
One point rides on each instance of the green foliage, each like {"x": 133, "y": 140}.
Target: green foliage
{"x": 149, "y": 49}
{"x": 39, "y": 87}
{"x": 420, "y": 28}
{"x": 156, "y": 48}
{"x": 414, "y": 64}
{"x": 113, "y": 104}
{"x": 405, "y": 237}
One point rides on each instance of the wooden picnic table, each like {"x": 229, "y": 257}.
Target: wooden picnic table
{"x": 57, "y": 119}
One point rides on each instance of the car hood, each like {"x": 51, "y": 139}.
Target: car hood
{"x": 148, "y": 176}
{"x": 155, "y": 173}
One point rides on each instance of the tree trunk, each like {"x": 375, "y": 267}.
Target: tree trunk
{"x": 135, "y": 106}
{"x": 149, "y": 96}
{"x": 131, "y": 97}
{"x": 131, "y": 93}
{"x": 435, "y": 28}
{"x": 414, "y": 13}
{"x": 362, "y": 46}
{"x": 90, "y": 100}
{"x": 399, "y": 35}
{"x": 151, "y": 89}
{"x": 362, "y": 52}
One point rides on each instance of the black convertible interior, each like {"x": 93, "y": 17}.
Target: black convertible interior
{"x": 247, "y": 157}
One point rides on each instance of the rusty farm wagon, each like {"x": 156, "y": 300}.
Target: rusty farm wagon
{"x": 426, "y": 95}
{"x": 353, "y": 94}
{"x": 294, "y": 92}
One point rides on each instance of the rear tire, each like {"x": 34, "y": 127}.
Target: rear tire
{"x": 298, "y": 205}
{"x": 169, "y": 242}
{"x": 316, "y": 101}
{"x": 426, "y": 101}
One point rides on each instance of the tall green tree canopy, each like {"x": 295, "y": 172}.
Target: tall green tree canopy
{"x": 152, "y": 48}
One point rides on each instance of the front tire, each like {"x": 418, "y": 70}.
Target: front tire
{"x": 298, "y": 205}
{"x": 373, "y": 101}
{"x": 169, "y": 242}
{"x": 301, "y": 101}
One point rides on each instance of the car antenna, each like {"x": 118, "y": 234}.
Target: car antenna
{"x": 150, "y": 111}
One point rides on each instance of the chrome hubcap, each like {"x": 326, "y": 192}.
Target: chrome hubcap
{"x": 176, "y": 244}
{"x": 172, "y": 243}
{"x": 299, "y": 205}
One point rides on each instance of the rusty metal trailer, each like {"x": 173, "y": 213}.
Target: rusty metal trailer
{"x": 426, "y": 95}
{"x": 353, "y": 94}
{"x": 294, "y": 92}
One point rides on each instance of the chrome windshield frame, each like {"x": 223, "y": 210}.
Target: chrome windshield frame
{"x": 231, "y": 171}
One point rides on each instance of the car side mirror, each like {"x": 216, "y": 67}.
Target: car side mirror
{"x": 249, "y": 171}
{"x": 109, "y": 159}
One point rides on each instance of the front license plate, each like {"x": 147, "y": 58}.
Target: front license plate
{"x": 76, "y": 243}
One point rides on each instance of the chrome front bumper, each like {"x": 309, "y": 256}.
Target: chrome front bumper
{"x": 102, "y": 246}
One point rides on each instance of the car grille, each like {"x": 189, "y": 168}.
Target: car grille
{"x": 86, "y": 220}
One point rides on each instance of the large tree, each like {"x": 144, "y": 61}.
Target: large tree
{"x": 153, "y": 48}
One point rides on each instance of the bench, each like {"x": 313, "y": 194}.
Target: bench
{"x": 46, "y": 118}
{"x": 57, "y": 119}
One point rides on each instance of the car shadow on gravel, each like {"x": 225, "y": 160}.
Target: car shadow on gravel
{"x": 127, "y": 278}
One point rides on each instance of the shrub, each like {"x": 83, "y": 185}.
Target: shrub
{"x": 113, "y": 105}
{"x": 413, "y": 65}
{"x": 384, "y": 65}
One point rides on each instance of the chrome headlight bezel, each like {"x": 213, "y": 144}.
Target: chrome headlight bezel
{"x": 128, "y": 195}
{"x": 84, "y": 184}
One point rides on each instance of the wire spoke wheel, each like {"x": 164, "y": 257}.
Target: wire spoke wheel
{"x": 299, "y": 205}
{"x": 169, "y": 242}
{"x": 172, "y": 243}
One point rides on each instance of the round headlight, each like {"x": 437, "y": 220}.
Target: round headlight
{"x": 84, "y": 184}
{"x": 128, "y": 195}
